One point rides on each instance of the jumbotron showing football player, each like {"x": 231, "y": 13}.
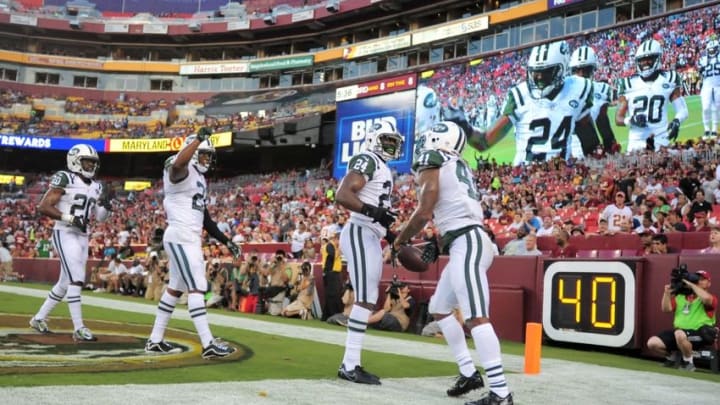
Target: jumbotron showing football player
{"x": 583, "y": 63}
{"x": 492, "y": 111}
{"x": 709, "y": 68}
{"x": 427, "y": 109}
{"x": 544, "y": 109}
{"x": 643, "y": 100}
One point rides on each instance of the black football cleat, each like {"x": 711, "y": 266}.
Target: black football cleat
{"x": 358, "y": 375}
{"x": 463, "y": 384}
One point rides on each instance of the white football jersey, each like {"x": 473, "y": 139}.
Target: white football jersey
{"x": 80, "y": 198}
{"x": 601, "y": 97}
{"x": 376, "y": 191}
{"x": 616, "y": 217}
{"x": 185, "y": 200}
{"x": 458, "y": 205}
{"x": 709, "y": 66}
{"x": 543, "y": 126}
{"x": 652, "y": 99}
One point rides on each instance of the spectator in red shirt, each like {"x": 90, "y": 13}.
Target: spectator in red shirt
{"x": 646, "y": 238}
{"x": 701, "y": 223}
{"x": 563, "y": 249}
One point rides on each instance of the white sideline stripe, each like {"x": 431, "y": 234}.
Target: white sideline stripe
{"x": 560, "y": 382}
{"x": 422, "y": 350}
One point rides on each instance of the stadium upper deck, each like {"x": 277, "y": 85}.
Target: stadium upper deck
{"x": 319, "y": 43}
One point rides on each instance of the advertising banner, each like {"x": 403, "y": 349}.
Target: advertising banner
{"x": 281, "y": 63}
{"x": 377, "y": 46}
{"x": 213, "y": 68}
{"x": 473, "y": 24}
{"x": 219, "y": 140}
{"x": 136, "y": 185}
{"x": 377, "y": 87}
{"x": 11, "y": 178}
{"x": 47, "y": 143}
{"x": 355, "y": 117}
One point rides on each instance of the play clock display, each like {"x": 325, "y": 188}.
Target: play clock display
{"x": 589, "y": 302}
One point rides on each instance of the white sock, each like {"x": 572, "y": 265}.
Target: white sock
{"x": 198, "y": 313}
{"x": 356, "y": 327}
{"x": 162, "y": 316}
{"x": 455, "y": 338}
{"x": 75, "y": 305}
{"x": 55, "y": 296}
{"x": 488, "y": 349}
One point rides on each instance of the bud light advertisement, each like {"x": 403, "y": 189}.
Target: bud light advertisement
{"x": 355, "y": 117}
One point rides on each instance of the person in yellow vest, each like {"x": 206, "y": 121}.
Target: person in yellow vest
{"x": 332, "y": 277}
{"x": 693, "y": 307}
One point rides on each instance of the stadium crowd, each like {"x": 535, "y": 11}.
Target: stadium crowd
{"x": 268, "y": 208}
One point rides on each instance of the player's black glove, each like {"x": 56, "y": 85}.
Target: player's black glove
{"x": 383, "y": 216}
{"x": 639, "y": 120}
{"x": 390, "y": 236}
{"x": 233, "y": 248}
{"x": 673, "y": 129}
{"x": 203, "y": 134}
{"x": 431, "y": 252}
{"x": 76, "y": 221}
{"x": 103, "y": 199}
{"x": 478, "y": 140}
{"x": 457, "y": 115}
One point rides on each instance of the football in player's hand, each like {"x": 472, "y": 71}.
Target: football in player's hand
{"x": 410, "y": 257}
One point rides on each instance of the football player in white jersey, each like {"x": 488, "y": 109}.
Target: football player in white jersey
{"x": 643, "y": 100}
{"x": 365, "y": 190}
{"x": 73, "y": 199}
{"x": 545, "y": 109}
{"x": 448, "y": 195}
{"x": 427, "y": 107}
{"x": 492, "y": 110}
{"x": 583, "y": 63}
{"x": 185, "y": 191}
{"x": 709, "y": 68}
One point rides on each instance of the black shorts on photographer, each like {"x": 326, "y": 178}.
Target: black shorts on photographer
{"x": 699, "y": 338}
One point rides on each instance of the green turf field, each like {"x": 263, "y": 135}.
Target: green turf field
{"x": 279, "y": 357}
{"x": 504, "y": 151}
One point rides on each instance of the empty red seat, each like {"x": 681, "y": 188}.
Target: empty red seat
{"x": 609, "y": 253}
{"x": 629, "y": 252}
{"x": 587, "y": 253}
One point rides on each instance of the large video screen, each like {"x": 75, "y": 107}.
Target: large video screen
{"x": 480, "y": 86}
{"x": 355, "y": 117}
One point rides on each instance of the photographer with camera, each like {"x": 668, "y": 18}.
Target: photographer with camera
{"x": 689, "y": 299}
{"x": 280, "y": 273}
{"x": 397, "y": 309}
{"x": 304, "y": 291}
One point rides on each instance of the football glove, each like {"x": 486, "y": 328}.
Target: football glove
{"x": 233, "y": 248}
{"x": 457, "y": 115}
{"x": 390, "y": 236}
{"x": 430, "y": 252}
{"x": 639, "y": 120}
{"x": 76, "y": 221}
{"x": 673, "y": 129}
{"x": 478, "y": 140}
{"x": 383, "y": 216}
{"x": 203, "y": 134}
